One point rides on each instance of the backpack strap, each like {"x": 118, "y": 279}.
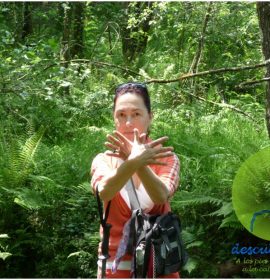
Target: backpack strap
{"x": 100, "y": 211}
{"x": 147, "y": 253}
{"x": 132, "y": 233}
{"x": 106, "y": 234}
{"x": 183, "y": 255}
{"x": 136, "y": 212}
{"x": 135, "y": 207}
{"x": 132, "y": 195}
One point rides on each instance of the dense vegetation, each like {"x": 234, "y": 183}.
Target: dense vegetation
{"x": 59, "y": 65}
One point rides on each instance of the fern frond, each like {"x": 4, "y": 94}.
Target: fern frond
{"x": 30, "y": 147}
{"x": 231, "y": 222}
{"x": 191, "y": 199}
{"x": 30, "y": 199}
{"x": 30, "y": 128}
{"x": 188, "y": 237}
{"x": 80, "y": 194}
{"x": 195, "y": 244}
{"x": 192, "y": 234}
{"x": 225, "y": 210}
{"x": 20, "y": 160}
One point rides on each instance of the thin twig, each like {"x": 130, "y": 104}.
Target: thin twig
{"x": 98, "y": 40}
{"x": 116, "y": 31}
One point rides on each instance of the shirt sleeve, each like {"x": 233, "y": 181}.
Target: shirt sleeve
{"x": 169, "y": 174}
{"x": 99, "y": 169}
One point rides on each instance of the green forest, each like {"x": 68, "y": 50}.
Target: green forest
{"x": 207, "y": 68}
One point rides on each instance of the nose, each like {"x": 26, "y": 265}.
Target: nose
{"x": 129, "y": 121}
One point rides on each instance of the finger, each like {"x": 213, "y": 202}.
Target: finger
{"x": 136, "y": 135}
{"x": 114, "y": 140}
{"x": 158, "y": 141}
{"x": 111, "y": 146}
{"x": 163, "y": 150}
{"x": 120, "y": 136}
{"x": 113, "y": 154}
{"x": 156, "y": 162}
{"x": 143, "y": 138}
{"x": 163, "y": 155}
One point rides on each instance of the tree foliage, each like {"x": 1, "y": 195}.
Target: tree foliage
{"x": 60, "y": 62}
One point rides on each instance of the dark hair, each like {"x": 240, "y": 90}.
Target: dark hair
{"x": 139, "y": 89}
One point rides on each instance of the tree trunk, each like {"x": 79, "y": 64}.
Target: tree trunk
{"x": 27, "y": 27}
{"x": 60, "y": 17}
{"x": 197, "y": 57}
{"x": 263, "y": 10}
{"x": 134, "y": 39}
{"x": 65, "y": 44}
{"x": 196, "y": 61}
{"x": 77, "y": 44}
{"x": 17, "y": 21}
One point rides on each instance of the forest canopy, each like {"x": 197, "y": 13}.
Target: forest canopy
{"x": 207, "y": 68}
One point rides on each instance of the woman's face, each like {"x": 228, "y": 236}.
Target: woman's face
{"x": 130, "y": 112}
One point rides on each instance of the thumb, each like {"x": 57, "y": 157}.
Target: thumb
{"x": 136, "y": 135}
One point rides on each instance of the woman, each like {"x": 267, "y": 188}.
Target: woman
{"x": 153, "y": 168}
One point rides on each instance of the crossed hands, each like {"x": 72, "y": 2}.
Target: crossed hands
{"x": 140, "y": 152}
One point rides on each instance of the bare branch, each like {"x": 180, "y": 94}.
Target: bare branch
{"x": 209, "y": 72}
{"x": 225, "y": 105}
{"x": 249, "y": 83}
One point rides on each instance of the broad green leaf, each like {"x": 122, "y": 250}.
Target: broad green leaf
{"x": 4, "y": 255}
{"x": 75, "y": 254}
{"x": 190, "y": 265}
{"x": 194, "y": 244}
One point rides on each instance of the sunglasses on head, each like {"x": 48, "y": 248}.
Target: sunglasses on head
{"x": 131, "y": 85}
